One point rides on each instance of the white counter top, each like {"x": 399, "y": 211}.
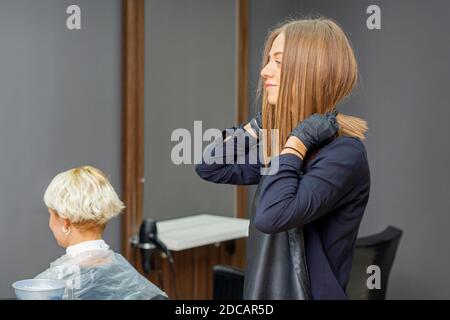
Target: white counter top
{"x": 199, "y": 230}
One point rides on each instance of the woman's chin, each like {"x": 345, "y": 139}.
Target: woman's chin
{"x": 272, "y": 101}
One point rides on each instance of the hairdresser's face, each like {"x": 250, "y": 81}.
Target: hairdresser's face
{"x": 272, "y": 70}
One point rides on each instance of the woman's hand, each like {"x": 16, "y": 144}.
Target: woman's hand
{"x": 316, "y": 129}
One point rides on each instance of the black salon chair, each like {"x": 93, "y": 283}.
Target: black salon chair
{"x": 228, "y": 283}
{"x": 378, "y": 249}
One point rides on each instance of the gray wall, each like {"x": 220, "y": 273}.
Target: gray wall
{"x": 190, "y": 75}
{"x": 403, "y": 93}
{"x": 59, "y": 108}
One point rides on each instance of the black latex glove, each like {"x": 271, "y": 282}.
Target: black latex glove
{"x": 256, "y": 124}
{"x": 317, "y": 129}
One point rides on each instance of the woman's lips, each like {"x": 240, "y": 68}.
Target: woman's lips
{"x": 270, "y": 85}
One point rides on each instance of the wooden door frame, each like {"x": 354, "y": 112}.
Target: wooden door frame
{"x": 133, "y": 53}
{"x": 133, "y": 120}
{"x": 242, "y": 91}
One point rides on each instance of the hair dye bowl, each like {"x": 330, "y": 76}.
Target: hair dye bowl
{"x": 39, "y": 289}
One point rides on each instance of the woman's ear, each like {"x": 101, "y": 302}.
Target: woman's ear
{"x": 66, "y": 223}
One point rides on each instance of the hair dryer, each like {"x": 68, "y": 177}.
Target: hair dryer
{"x": 148, "y": 241}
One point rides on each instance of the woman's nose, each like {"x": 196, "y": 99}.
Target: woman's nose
{"x": 266, "y": 72}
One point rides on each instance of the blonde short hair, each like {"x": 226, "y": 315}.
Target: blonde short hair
{"x": 83, "y": 195}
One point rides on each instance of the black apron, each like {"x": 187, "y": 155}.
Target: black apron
{"x": 276, "y": 264}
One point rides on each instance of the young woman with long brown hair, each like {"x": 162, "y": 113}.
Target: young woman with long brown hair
{"x": 306, "y": 214}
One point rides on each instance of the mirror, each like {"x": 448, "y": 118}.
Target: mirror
{"x": 190, "y": 75}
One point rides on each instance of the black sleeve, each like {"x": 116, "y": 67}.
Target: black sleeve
{"x": 291, "y": 199}
{"x": 233, "y": 158}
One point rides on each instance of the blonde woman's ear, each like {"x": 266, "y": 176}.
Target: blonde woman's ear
{"x": 66, "y": 226}
{"x": 66, "y": 230}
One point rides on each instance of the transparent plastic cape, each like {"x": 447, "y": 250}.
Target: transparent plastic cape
{"x": 101, "y": 275}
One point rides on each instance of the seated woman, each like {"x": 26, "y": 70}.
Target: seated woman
{"x": 80, "y": 202}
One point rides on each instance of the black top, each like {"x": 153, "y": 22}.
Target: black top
{"x": 322, "y": 198}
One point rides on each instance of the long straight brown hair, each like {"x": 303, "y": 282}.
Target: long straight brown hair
{"x": 318, "y": 70}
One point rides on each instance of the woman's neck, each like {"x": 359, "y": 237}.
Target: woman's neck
{"x": 78, "y": 237}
